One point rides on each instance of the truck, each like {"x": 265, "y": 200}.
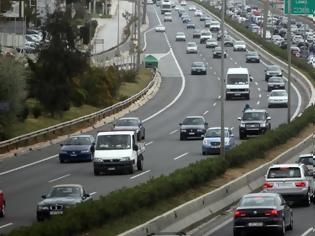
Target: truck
{"x": 237, "y": 83}
{"x": 166, "y": 6}
{"x": 117, "y": 151}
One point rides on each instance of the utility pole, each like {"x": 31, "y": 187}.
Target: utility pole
{"x": 144, "y": 11}
{"x": 222, "y": 140}
{"x": 289, "y": 60}
{"x": 266, "y": 9}
{"x": 118, "y": 33}
{"x": 138, "y": 34}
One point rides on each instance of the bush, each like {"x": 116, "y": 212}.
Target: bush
{"x": 37, "y": 111}
{"x": 23, "y": 114}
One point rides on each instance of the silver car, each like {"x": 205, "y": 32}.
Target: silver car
{"x": 294, "y": 182}
{"x": 131, "y": 123}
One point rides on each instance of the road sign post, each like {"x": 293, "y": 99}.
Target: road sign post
{"x": 300, "y": 7}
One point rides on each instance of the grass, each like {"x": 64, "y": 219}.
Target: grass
{"x": 31, "y": 124}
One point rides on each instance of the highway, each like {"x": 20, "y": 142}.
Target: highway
{"x": 26, "y": 177}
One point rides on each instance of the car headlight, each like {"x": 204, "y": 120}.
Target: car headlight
{"x": 85, "y": 151}
{"x": 125, "y": 159}
{"x": 242, "y": 125}
{"x": 98, "y": 160}
{"x": 263, "y": 125}
{"x": 183, "y": 131}
{"x": 205, "y": 142}
{"x": 42, "y": 207}
{"x": 200, "y": 130}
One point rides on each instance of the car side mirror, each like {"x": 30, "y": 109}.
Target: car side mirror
{"x": 239, "y": 118}
{"x": 86, "y": 195}
{"x": 135, "y": 147}
{"x": 251, "y": 79}
{"x": 44, "y": 196}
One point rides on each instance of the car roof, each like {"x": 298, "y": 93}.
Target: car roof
{"x": 286, "y": 165}
{"x": 218, "y": 127}
{"x": 261, "y": 194}
{"x": 237, "y": 71}
{"x": 129, "y": 118}
{"x": 115, "y": 133}
{"x": 306, "y": 155}
{"x": 67, "y": 185}
{"x": 254, "y": 110}
{"x": 194, "y": 117}
{"x": 81, "y": 135}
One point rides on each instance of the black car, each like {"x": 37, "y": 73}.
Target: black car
{"x": 217, "y": 52}
{"x": 193, "y": 126}
{"x": 254, "y": 122}
{"x": 131, "y": 123}
{"x": 252, "y": 56}
{"x": 77, "y": 148}
{"x": 59, "y": 198}
{"x": 198, "y": 68}
{"x": 308, "y": 160}
{"x": 262, "y": 212}
{"x": 204, "y": 18}
{"x": 272, "y": 70}
{"x": 197, "y": 33}
{"x": 275, "y": 83}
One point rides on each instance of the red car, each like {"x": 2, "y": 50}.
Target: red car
{"x": 2, "y": 204}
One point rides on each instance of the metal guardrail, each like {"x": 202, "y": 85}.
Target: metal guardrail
{"x": 84, "y": 121}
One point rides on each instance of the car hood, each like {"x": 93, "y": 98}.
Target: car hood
{"x": 75, "y": 147}
{"x": 60, "y": 201}
{"x": 192, "y": 127}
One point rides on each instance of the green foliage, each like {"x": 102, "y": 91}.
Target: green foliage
{"x": 129, "y": 75}
{"x": 36, "y": 111}
{"x": 87, "y": 31}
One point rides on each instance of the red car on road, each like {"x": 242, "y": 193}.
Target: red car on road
{"x": 2, "y": 204}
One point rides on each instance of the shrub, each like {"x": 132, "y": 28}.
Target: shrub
{"x": 37, "y": 111}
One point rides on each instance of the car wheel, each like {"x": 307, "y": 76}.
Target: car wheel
{"x": 182, "y": 137}
{"x": 290, "y": 226}
{"x": 61, "y": 160}
{"x": 143, "y": 136}
{"x": 96, "y": 172}
{"x": 307, "y": 200}
{"x": 242, "y": 136}
{"x": 2, "y": 212}
{"x": 258, "y": 61}
{"x": 130, "y": 169}
{"x": 227, "y": 97}
{"x": 204, "y": 153}
{"x": 140, "y": 164}
{"x": 281, "y": 231}
{"x": 139, "y": 136}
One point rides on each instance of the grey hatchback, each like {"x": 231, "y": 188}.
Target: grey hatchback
{"x": 193, "y": 126}
{"x": 198, "y": 68}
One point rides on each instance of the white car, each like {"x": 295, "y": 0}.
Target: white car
{"x": 198, "y": 13}
{"x": 160, "y": 28}
{"x": 192, "y": 8}
{"x": 183, "y": 3}
{"x": 239, "y": 45}
{"x": 211, "y": 43}
{"x": 278, "y": 97}
{"x": 180, "y": 36}
{"x": 192, "y": 47}
{"x": 168, "y": 18}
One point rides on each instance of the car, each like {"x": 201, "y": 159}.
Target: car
{"x": 204, "y": 18}
{"x": 211, "y": 43}
{"x": 191, "y": 26}
{"x": 207, "y": 23}
{"x": 193, "y": 127}
{"x": 198, "y": 13}
{"x": 294, "y": 182}
{"x": 239, "y": 45}
{"x": 198, "y": 67}
{"x": 308, "y": 160}
{"x": 212, "y": 140}
{"x": 217, "y": 53}
{"x": 160, "y": 28}
{"x": 180, "y": 36}
{"x": 2, "y": 204}
{"x": 272, "y": 70}
{"x": 59, "y": 198}
{"x": 262, "y": 212}
{"x": 186, "y": 20}
{"x": 168, "y": 18}
{"x": 192, "y": 8}
{"x": 197, "y": 33}
{"x": 278, "y": 97}
{"x": 131, "y": 123}
{"x": 181, "y": 11}
{"x": 192, "y": 47}
{"x": 275, "y": 83}
{"x": 228, "y": 41}
{"x": 183, "y": 3}
{"x": 252, "y": 56}
{"x": 254, "y": 122}
{"x": 205, "y": 35}
{"x": 77, "y": 148}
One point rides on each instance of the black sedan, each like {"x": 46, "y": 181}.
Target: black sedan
{"x": 193, "y": 126}
{"x": 275, "y": 83}
{"x": 198, "y": 68}
{"x": 262, "y": 212}
{"x": 131, "y": 123}
{"x": 77, "y": 148}
{"x": 252, "y": 56}
{"x": 59, "y": 198}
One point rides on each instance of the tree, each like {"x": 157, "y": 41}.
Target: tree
{"x": 12, "y": 92}
{"x": 5, "y": 5}
{"x": 58, "y": 63}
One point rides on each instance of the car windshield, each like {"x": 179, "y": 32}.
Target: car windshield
{"x": 78, "y": 141}
{"x": 258, "y": 201}
{"x": 284, "y": 172}
{"x": 110, "y": 142}
{"x": 309, "y": 160}
{"x": 180, "y": 34}
{"x": 191, "y": 44}
{"x": 278, "y": 93}
{"x": 65, "y": 191}
{"x": 127, "y": 122}
{"x": 275, "y": 80}
{"x": 211, "y": 40}
{"x": 273, "y": 68}
{"x": 205, "y": 33}
{"x": 218, "y": 49}
{"x": 249, "y": 116}
{"x": 239, "y": 43}
{"x": 252, "y": 54}
{"x": 193, "y": 121}
{"x": 214, "y": 133}
{"x": 198, "y": 64}
{"x": 240, "y": 79}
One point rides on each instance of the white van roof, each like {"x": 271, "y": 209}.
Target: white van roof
{"x": 237, "y": 71}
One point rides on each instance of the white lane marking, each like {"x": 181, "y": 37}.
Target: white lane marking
{"x": 185, "y": 154}
{"x": 214, "y": 104}
{"x": 259, "y": 95}
{"x": 235, "y": 63}
{"x": 148, "y": 143}
{"x": 219, "y": 97}
{"x": 219, "y": 78}
{"x": 143, "y": 173}
{"x": 258, "y": 89}
{"x": 6, "y": 225}
{"x": 205, "y": 112}
{"x": 59, "y": 178}
{"x": 308, "y": 231}
{"x": 173, "y": 132}
{"x": 27, "y": 165}
{"x": 256, "y": 83}
{"x": 182, "y": 77}
{"x": 231, "y": 58}
{"x": 258, "y": 103}
{"x": 145, "y": 39}
{"x": 210, "y": 67}
{"x": 93, "y": 193}
{"x": 232, "y": 128}
{"x": 227, "y": 221}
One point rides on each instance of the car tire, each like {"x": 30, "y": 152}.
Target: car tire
{"x": 140, "y": 163}
{"x": 242, "y": 136}
{"x": 2, "y": 212}
{"x": 290, "y": 226}
{"x": 281, "y": 232}
{"x": 139, "y": 136}
{"x": 182, "y": 137}
{"x": 61, "y": 161}
{"x": 227, "y": 97}
{"x": 96, "y": 172}
{"x": 258, "y": 61}
{"x": 130, "y": 169}
{"x": 204, "y": 153}
{"x": 307, "y": 200}
{"x": 143, "y": 136}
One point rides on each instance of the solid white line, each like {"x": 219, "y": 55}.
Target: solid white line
{"x": 185, "y": 154}
{"x": 219, "y": 226}
{"x": 6, "y": 225}
{"x": 205, "y": 112}
{"x": 93, "y": 193}
{"x": 258, "y": 89}
{"x": 149, "y": 143}
{"x": 27, "y": 165}
{"x": 214, "y": 72}
{"x": 59, "y": 178}
{"x": 145, "y": 38}
{"x": 308, "y": 231}
{"x": 135, "y": 176}
{"x": 173, "y": 132}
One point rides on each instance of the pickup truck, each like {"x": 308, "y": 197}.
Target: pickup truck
{"x": 117, "y": 151}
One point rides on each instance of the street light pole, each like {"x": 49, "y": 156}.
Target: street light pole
{"x": 289, "y": 61}
{"x": 222, "y": 140}
{"x": 118, "y": 33}
{"x": 138, "y": 33}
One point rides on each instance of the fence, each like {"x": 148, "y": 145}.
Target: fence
{"x": 11, "y": 40}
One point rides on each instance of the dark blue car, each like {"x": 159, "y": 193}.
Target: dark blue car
{"x": 77, "y": 148}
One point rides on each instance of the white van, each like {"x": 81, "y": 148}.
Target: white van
{"x": 237, "y": 83}
{"x": 214, "y": 26}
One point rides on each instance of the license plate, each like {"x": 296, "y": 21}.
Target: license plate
{"x": 111, "y": 168}
{"x": 255, "y": 224}
{"x": 237, "y": 94}
{"x": 73, "y": 155}
{"x": 284, "y": 185}
{"x": 55, "y": 213}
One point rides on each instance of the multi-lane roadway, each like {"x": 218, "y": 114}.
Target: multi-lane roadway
{"x": 26, "y": 177}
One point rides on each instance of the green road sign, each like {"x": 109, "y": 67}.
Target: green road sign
{"x": 300, "y": 7}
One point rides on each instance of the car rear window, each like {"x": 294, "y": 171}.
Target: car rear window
{"x": 284, "y": 172}
{"x": 258, "y": 201}
{"x": 307, "y": 160}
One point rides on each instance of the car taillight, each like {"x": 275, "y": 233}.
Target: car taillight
{"x": 239, "y": 213}
{"x": 268, "y": 185}
{"x": 272, "y": 212}
{"x": 300, "y": 184}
